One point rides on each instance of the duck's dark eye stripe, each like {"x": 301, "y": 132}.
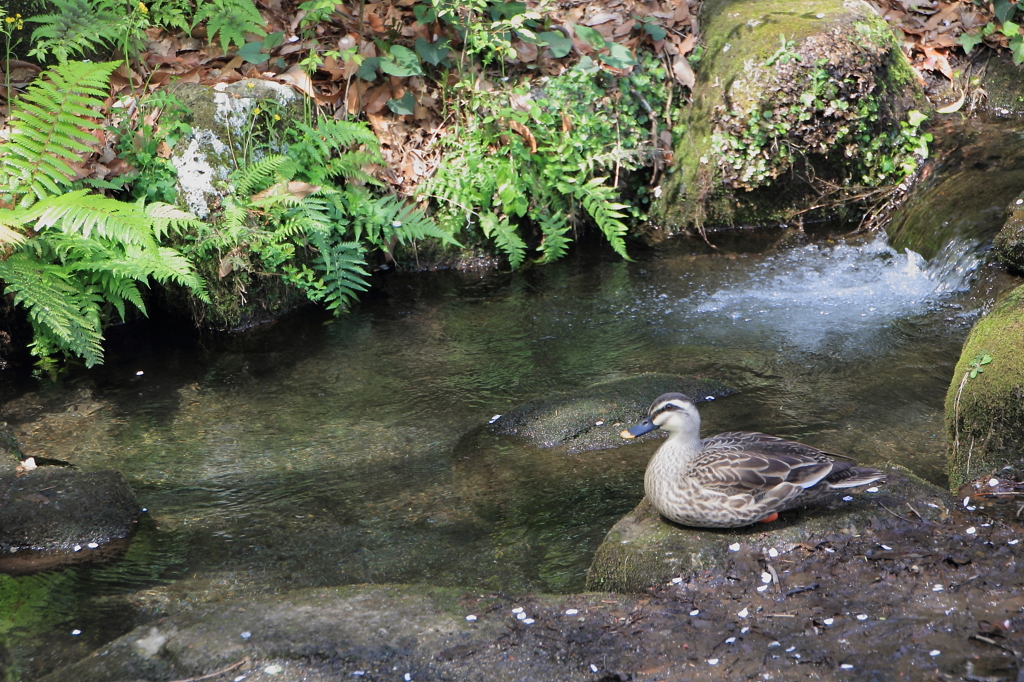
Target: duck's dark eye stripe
{"x": 665, "y": 408}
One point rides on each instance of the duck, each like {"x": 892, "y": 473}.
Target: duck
{"x": 737, "y": 478}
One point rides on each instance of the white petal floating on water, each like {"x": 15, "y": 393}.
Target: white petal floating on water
{"x": 872, "y": 489}
{"x": 744, "y": 613}
{"x": 886, "y": 548}
{"x": 774, "y": 644}
{"x": 734, "y": 547}
{"x": 494, "y": 419}
{"x": 792, "y": 648}
{"x": 766, "y": 577}
{"x": 846, "y": 666}
{"x": 773, "y": 552}
{"x": 937, "y": 588}
{"x": 730, "y": 640}
{"x": 830, "y": 550}
{"x": 971, "y": 531}
{"x": 93, "y": 545}
{"x": 695, "y": 612}
{"x": 246, "y": 635}
{"x": 934, "y": 652}
{"x": 471, "y": 617}
{"x": 593, "y": 668}
{"x": 518, "y": 609}
{"x": 862, "y": 616}
{"x": 967, "y": 500}
{"x": 76, "y": 632}
{"x": 273, "y": 669}
{"x": 571, "y": 612}
{"x": 599, "y": 422}
{"x": 847, "y": 498}
{"x": 521, "y": 616}
{"x": 357, "y": 673}
{"x": 1013, "y": 542}
{"x": 676, "y": 581}
{"x": 77, "y": 548}
{"x": 829, "y": 621}
{"x": 529, "y": 621}
{"x": 712, "y": 661}
{"x": 744, "y": 630}
{"x": 407, "y": 677}
{"x": 762, "y": 588}
{"x": 993, "y": 482}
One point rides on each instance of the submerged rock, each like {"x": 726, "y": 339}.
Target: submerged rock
{"x": 52, "y": 515}
{"x": 644, "y": 549}
{"x": 813, "y": 92}
{"x": 985, "y": 401}
{"x": 592, "y": 417}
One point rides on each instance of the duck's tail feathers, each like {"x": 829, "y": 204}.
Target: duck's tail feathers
{"x": 853, "y": 476}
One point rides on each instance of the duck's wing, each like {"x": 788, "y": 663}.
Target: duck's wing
{"x": 750, "y": 462}
{"x": 762, "y": 443}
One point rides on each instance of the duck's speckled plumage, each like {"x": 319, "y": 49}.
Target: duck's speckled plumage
{"x": 737, "y": 478}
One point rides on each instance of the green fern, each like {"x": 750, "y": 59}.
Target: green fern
{"x": 599, "y": 201}
{"x": 230, "y": 20}
{"x": 64, "y": 315}
{"x": 50, "y": 126}
{"x": 77, "y": 27}
{"x": 342, "y": 269}
{"x": 259, "y": 175}
{"x": 504, "y": 235}
{"x": 554, "y": 243}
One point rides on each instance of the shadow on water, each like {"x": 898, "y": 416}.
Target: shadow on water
{"x": 326, "y": 452}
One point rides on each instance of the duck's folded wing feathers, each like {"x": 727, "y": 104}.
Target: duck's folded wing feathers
{"x": 762, "y": 443}
{"x": 733, "y": 472}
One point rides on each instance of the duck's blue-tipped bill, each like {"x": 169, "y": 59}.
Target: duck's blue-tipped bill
{"x": 640, "y": 429}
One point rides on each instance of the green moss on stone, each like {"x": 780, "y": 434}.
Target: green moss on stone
{"x": 985, "y": 413}
{"x": 760, "y": 114}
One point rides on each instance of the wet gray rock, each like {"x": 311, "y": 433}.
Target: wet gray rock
{"x": 1009, "y": 243}
{"x": 51, "y": 510}
{"x": 571, "y": 419}
{"x": 644, "y": 549}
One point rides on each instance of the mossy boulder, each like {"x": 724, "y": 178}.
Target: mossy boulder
{"x": 591, "y": 418}
{"x": 644, "y": 549}
{"x": 985, "y": 401}
{"x": 787, "y": 91}
{"x": 1009, "y": 243}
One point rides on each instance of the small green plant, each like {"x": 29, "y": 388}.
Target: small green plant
{"x": 295, "y": 215}
{"x": 785, "y": 54}
{"x": 154, "y": 178}
{"x": 977, "y": 364}
{"x": 1005, "y": 14}
{"x": 230, "y": 20}
{"x": 537, "y": 175}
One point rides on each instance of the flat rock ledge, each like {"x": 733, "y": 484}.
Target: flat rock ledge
{"x": 645, "y": 549}
{"x": 592, "y": 417}
{"x": 54, "y": 515}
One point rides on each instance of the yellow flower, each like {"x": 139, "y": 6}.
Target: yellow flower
{"x": 10, "y": 20}
{"x": 277, "y": 117}
{"x": 256, "y": 111}
{"x": 143, "y": 8}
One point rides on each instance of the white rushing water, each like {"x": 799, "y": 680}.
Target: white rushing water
{"x": 811, "y": 294}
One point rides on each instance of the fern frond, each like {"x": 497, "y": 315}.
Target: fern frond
{"x": 342, "y": 269}
{"x": 598, "y": 200}
{"x": 166, "y": 217}
{"x": 554, "y": 243}
{"x": 82, "y": 213}
{"x": 50, "y": 125}
{"x": 78, "y": 27}
{"x": 230, "y": 20}
{"x": 64, "y": 315}
{"x": 504, "y": 235}
{"x": 257, "y": 176}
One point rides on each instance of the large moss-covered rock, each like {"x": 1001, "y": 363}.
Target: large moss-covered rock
{"x": 985, "y": 401}
{"x": 786, "y": 90}
{"x": 1009, "y": 243}
{"x": 644, "y": 549}
{"x": 591, "y": 418}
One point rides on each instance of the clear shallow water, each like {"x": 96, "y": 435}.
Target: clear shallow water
{"x": 354, "y": 451}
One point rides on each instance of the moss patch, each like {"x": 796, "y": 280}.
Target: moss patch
{"x": 985, "y": 413}
{"x": 815, "y": 89}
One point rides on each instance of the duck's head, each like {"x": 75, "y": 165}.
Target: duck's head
{"x": 673, "y": 412}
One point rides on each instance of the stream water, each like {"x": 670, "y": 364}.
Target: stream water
{"x": 352, "y": 451}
